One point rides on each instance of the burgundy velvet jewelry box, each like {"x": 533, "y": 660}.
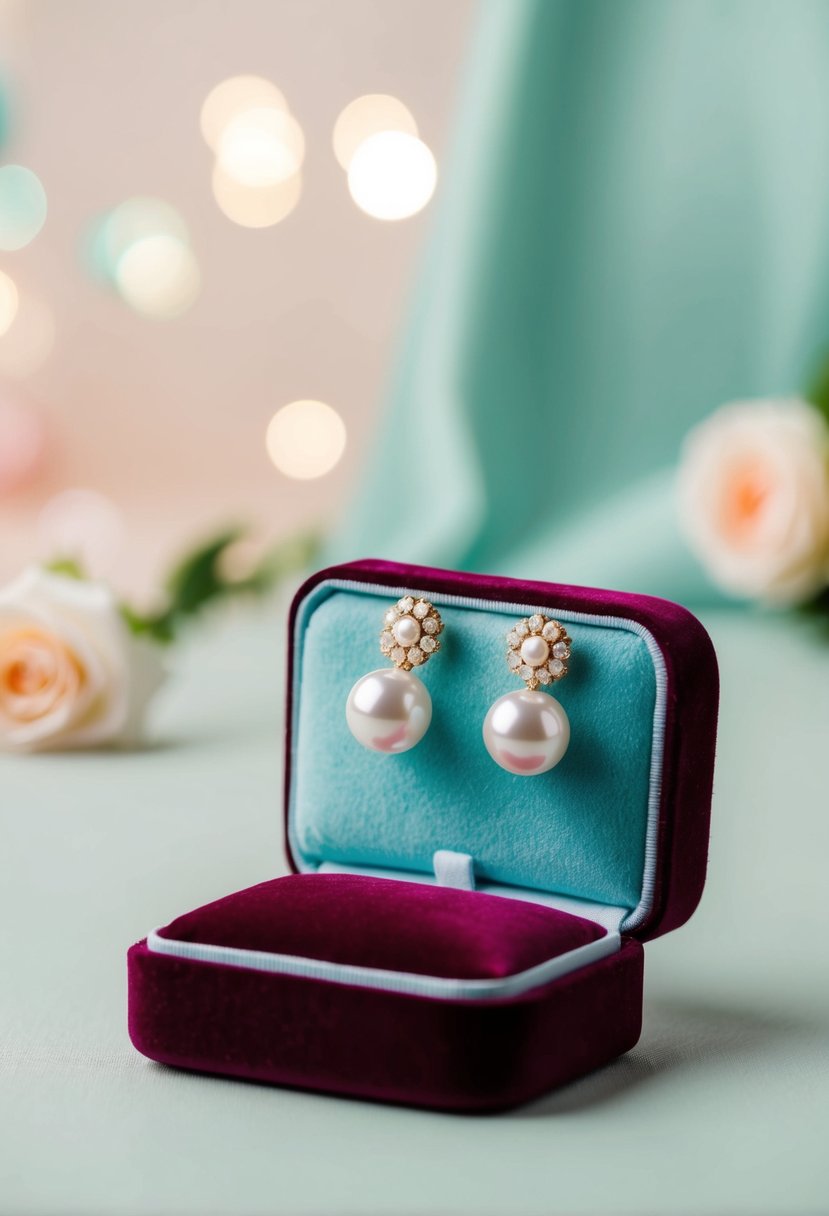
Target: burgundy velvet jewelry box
{"x": 453, "y": 935}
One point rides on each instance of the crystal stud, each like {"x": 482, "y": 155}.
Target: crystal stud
{"x": 539, "y": 649}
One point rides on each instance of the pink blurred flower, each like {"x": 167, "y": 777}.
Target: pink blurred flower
{"x": 754, "y": 499}
{"x": 22, "y": 442}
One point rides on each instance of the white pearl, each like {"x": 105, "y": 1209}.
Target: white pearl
{"x": 534, "y": 651}
{"x": 389, "y": 710}
{"x": 526, "y": 732}
{"x": 406, "y": 631}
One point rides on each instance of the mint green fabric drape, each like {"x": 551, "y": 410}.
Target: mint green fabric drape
{"x": 630, "y": 230}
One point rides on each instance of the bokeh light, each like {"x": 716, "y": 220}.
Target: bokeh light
{"x": 83, "y": 526}
{"x": 131, "y": 221}
{"x": 9, "y": 302}
{"x": 142, "y": 248}
{"x": 22, "y": 442}
{"x": 306, "y": 439}
{"x": 367, "y": 116}
{"x": 22, "y": 206}
{"x": 255, "y": 206}
{"x": 231, "y": 98}
{"x": 392, "y": 175}
{"x": 29, "y": 340}
{"x": 261, "y": 147}
{"x": 158, "y": 276}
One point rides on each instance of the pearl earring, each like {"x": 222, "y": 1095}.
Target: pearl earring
{"x": 526, "y": 732}
{"x": 389, "y": 710}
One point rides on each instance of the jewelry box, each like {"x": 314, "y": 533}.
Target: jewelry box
{"x": 452, "y": 935}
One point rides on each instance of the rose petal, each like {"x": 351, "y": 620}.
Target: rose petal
{"x": 94, "y": 684}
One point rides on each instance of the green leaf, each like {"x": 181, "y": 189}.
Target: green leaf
{"x": 818, "y": 393}
{"x": 198, "y": 580}
{"x": 158, "y": 628}
{"x": 66, "y": 566}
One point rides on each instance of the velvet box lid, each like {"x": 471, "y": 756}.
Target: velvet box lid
{"x": 617, "y": 831}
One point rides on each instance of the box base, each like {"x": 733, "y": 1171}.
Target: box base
{"x": 420, "y": 1051}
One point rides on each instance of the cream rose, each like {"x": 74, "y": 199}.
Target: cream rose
{"x": 754, "y": 499}
{"x": 71, "y": 673}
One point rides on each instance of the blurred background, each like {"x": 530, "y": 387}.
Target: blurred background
{"x": 443, "y": 282}
{"x": 150, "y": 328}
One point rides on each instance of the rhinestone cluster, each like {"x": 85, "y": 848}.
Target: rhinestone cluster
{"x": 410, "y": 632}
{"x": 538, "y": 650}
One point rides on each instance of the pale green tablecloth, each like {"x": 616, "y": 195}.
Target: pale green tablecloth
{"x": 723, "y": 1107}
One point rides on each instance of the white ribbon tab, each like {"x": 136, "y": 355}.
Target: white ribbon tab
{"x": 454, "y": 869}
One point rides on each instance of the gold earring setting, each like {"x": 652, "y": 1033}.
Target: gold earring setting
{"x": 389, "y": 710}
{"x": 528, "y": 732}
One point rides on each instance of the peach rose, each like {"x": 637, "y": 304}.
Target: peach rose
{"x": 71, "y": 673}
{"x": 754, "y": 499}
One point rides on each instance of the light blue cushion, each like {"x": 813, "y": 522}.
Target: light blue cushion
{"x": 581, "y": 829}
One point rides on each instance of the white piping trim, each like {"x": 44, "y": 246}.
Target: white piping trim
{"x": 405, "y": 982}
{"x": 643, "y": 908}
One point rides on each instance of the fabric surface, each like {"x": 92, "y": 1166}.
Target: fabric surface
{"x": 631, "y": 229}
{"x": 396, "y": 926}
{"x": 453, "y": 1055}
{"x": 530, "y": 821}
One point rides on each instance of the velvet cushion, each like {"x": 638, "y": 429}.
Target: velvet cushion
{"x": 389, "y": 924}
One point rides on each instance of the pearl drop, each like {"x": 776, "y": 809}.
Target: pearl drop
{"x": 389, "y": 710}
{"x": 534, "y": 651}
{"x": 406, "y": 631}
{"x": 526, "y": 733}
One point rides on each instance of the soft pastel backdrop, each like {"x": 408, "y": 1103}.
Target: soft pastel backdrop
{"x": 167, "y": 418}
{"x": 633, "y": 231}
{"x": 629, "y": 229}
